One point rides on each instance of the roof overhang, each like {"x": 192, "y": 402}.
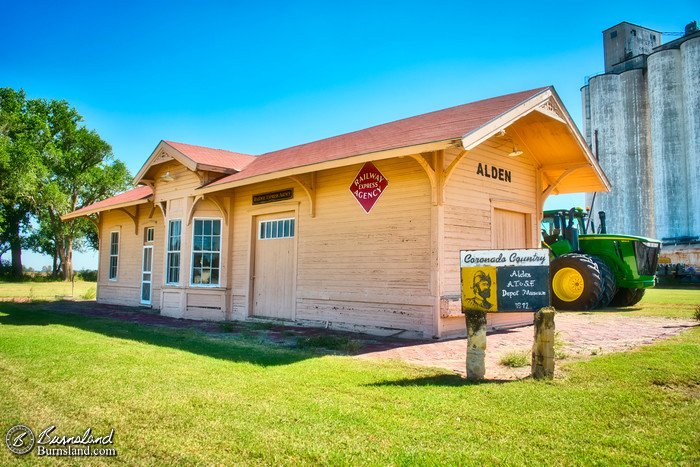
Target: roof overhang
{"x": 87, "y": 212}
{"x": 358, "y": 159}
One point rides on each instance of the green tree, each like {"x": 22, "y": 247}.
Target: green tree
{"x": 50, "y": 165}
{"x": 22, "y": 139}
{"x": 81, "y": 170}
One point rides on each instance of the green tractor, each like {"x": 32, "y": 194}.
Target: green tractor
{"x": 595, "y": 270}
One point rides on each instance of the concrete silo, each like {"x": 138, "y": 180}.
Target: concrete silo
{"x": 668, "y": 144}
{"x": 642, "y": 120}
{"x": 690, "y": 68}
{"x": 619, "y": 119}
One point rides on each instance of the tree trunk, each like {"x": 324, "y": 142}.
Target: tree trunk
{"x": 16, "y": 259}
{"x": 61, "y": 257}
{"x": 55, "y": 264}
{"x": 68, "y": 262}
{"x": 14, "y": 220}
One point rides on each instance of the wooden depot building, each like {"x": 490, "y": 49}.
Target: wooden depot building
{"x": 360, "y": 231}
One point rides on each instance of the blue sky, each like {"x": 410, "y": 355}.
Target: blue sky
{"x": 258, "y": 76}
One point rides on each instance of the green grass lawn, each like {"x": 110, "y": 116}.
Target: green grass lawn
{"x": 46, "y": 290}
{"x": 179, "y": 396}
{"x": 679, "y": 303}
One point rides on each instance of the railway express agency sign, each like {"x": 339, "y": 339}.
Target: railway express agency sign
{"x": 368, "y": 186}
{"x": 505, "y": 280}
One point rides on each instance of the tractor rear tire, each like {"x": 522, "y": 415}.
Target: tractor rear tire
{"x": 627, "y": 297}
{"x": 608, "y": 285}
{"x": 575, "y": 282}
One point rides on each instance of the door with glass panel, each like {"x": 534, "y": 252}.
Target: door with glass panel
{"x": 274, "y": 266}
{"x": 147, "y": 275}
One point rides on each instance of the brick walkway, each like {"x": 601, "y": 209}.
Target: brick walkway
{"x": 583, "y": 336}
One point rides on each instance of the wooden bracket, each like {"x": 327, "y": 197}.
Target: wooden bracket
{"x": 453, "y": 165}
{"x": 566, "y": 173}
{"x": 95, "y": 220}
{"x": 435, "y": 173}
{"x": 215, "y": 200}
{"x": 197, "y": 199}
{"x": 134, "y": 218}
{"x": 149, "y": 183}
{"x": 218, "y": 202}
{"x": 430, "y": 173}
{"x": 203, "y": 177}
{"x": 310, "y": 190}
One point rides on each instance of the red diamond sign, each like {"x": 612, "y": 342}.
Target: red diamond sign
{"x": 368, "y": 186}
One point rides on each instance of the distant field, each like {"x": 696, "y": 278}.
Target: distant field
{"x": 665, "y": 302}
{"x": 45, "y": 290}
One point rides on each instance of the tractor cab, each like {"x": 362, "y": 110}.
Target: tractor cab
{"x": 561, "y": 229}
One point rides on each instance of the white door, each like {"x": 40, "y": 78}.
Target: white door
{"x": 147, "y": 275}
{"x": 274, "y": 266}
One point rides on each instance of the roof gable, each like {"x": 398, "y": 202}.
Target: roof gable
{"x": 195, "y": 158}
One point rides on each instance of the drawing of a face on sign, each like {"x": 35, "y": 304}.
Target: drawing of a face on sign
{"x": 368, "y": 186}
{"x": 477, "y": 284}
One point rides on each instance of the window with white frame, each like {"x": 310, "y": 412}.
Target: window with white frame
{"x": 113, "y": 256}
{"x": 206, "y": 251}
{"x": 148, "y": 234}
{"x": 173, "y": 263}
{"x": 278, "y": 228}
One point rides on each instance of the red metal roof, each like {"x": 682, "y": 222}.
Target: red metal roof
{"x": 213, "y": 157}
{"x": 137, "y": 194}
{"x": 441, "y": 125}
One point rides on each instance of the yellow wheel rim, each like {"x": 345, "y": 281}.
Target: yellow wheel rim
{"x": 567, "y": 284}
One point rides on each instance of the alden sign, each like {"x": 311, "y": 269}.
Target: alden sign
{"x": 505, "y": 280}
{"x": 493, "y": 172}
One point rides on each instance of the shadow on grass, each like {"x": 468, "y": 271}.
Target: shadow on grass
{"x": 185, "y": 339}
{"x": 440, "y": 380}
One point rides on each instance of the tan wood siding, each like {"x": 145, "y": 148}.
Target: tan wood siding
{"x": 470, "y": 202}
{"x": 353, "y": 268}
{"x": 126, "y": 290}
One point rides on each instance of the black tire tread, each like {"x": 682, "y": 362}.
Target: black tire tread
{"x": 593, "y": 284}
{"x": 638, "y": 296}
{"x": 609, "y": 283}
{"x": 627, "y": 297}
